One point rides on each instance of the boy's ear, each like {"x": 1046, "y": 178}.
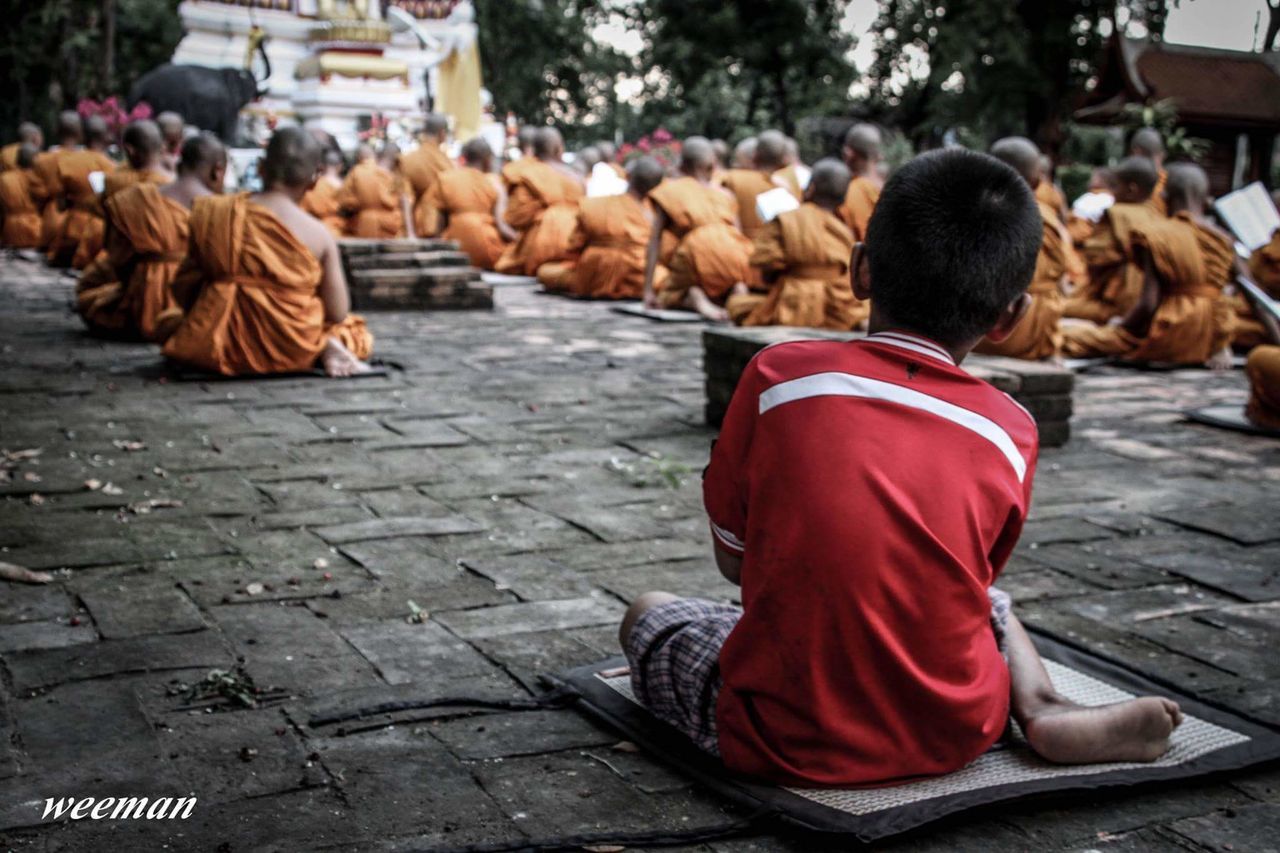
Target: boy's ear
{"x": 859, "y": 276}
{"x": 1009, "y": 318}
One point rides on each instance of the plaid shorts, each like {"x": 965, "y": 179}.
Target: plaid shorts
{"x": 674, "y": 653}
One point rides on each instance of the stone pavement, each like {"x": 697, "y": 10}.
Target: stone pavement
{"x": 479, "y": 518}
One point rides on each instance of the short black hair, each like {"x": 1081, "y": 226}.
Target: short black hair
{"x": 953, "y": 241}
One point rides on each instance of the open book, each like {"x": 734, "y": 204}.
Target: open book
{"x": 772, "y": 202}
{"x": 1250, "y": 215}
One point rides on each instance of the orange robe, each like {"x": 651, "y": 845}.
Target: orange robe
{"x": 321, "y": 201}
{"x": 372, "y": 195}
{"x": 256, "y": 304}
{"x": 610, "y": 242}
{"x": 146, "y": 240}
{"x": 1037, "y": 336}
{"x": 467, "y": 197}
{"x": 806, "y": 254}
{"x": 18, "y": 207}
{"x": 84, "y": 208}
{"x": 9, "y": 156}
{"x": 1048, "y": 193}
{"x": 1263, "y": 370}
{"x": 859, "y": 203}
{"x": 90, "y": 256}
{"x": 49, "y": 188}
{"x": 1264, "y": 269}
{"x": 513, "y": 171}
{"x": 746, "y": 184}
{"x": 1114, "y": 282}
{"x": 710, "y": 252}
{"x": 1194, "y": 319}
{"x": 1156, "y": 204}
{"x": 544, "y": 208}
{"x": 422, "y": 169}
{"x": 790, "y": 180}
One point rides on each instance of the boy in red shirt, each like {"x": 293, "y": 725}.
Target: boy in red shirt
{"x": 866, "y": 495}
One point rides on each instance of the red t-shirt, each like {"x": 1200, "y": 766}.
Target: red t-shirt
{"x": 874, "y": 491}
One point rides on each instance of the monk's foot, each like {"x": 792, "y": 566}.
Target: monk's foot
{"x": 1136, "y": 730}
{"x": 1220, "y": 360}
{"x": 338, "y": 361}
{"x": 740, "y": 289}
{"x": 700, "y": 302}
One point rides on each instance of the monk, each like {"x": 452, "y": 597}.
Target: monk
{"x": 1187, "y": 262}
{"x": 794, "y": 176}
{"x": 803, "y": 258}
{"x": 1264, "y": 269}
{"x": 262, "y": 285}
{"x": 47, "y": 192}
{"x": 1263, "y": 370}
{"x": 862, "y": 154}
{"x": 711, "y": 253}
{"x": 609, "y": 156}
{"x": 1088, "y": 208}
{"x": 423, "y": 167}
{"x": 1147, "y": 143}
{"x": 374, "y": 197}
{"x": 585, "y": 160}
{"x": 21, "y": 217}
{"x": 512, "y": 170}
{"x": 1114, "y": 280}
{"x": 467, "y": 205}
{"x": 146, "y": 241}
{"x": 145, "y": 163}
{"x": 28, "y": 134}
{"x": 543, "y": 208}
{"x": 746, "y": 184}
{"x": 174, "y": 130}
{"x": 322, "y": 201}
{"x": 609, "y": 242}
{"x": 1047, "y": 190}
{"x": 84, "y": 208}
{"x": 1037, "y": 335}
{"x": 720, "y": 149}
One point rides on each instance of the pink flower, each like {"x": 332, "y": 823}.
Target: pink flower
{"x": 661, "y": 135}
{"x": 644, "y": 145}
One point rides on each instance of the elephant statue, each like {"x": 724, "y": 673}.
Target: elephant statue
{"x": 207, "y": 98}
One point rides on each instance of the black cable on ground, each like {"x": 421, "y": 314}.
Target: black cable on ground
{"x": 561, "y": 697}
{"x": 678, "y": 838}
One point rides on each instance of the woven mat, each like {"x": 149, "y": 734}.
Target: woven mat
{"x": 1229, "y": 417}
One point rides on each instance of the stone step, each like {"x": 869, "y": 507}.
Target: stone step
{"x": 407, "y": 260}
{"x": 440, "y": 292}
{"x": 353, "y": 246}
{"x": 413, "y": 275}
{"x": 1043, "y": 389}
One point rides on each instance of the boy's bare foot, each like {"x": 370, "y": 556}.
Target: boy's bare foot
{"x": 338, "y": 361}
{"x": 1136, "y": 730}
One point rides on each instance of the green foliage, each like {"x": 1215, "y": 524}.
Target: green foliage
{"x": 1163, "y": 116}
{"x": 1074, "y": 180}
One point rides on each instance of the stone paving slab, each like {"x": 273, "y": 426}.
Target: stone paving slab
{"x": 529, "y": 472}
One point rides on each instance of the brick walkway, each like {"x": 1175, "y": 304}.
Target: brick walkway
{"x": 529, "y": 472}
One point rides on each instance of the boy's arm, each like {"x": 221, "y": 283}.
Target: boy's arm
{"x": 730, "y": 565}
{"x": 724, "y": 483}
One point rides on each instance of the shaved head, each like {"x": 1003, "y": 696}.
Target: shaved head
{"x": 436, "y": 124}
{"x": 171, "y": 125}
{"x": 389, "y": 154}
{"x": 525, "y": 138}
{"x": 548, "y": 144}
{"x": 697, "y": 155}
{"x": 200, "y": 153}
{"x": 70, "y": 128}
{"x": 1187, "y": 188}
{"x": 588, "y": 157}
{"x": 1146, "y": 142}
{"x": 607, "y": 152}
{"x": 333, "y": 158}
{"x": 27, "y": 155}
{"x": 364, "y": 151}
{"x": 721, "y": 149}
{"x": 30, "y": 133}
{"x": 744, "y": 154}
{"x": 1020, "y": 153}
{"x": 96, "y": 132}
{"x": 477, "y": 153}
{"x": 829, "y": 182}
{"x": 142, "y": 142}
{"x": 863, "y": 140}
{"x": 292, "y": 160}
{"x": 643, "y": 175}
{"x": 1136, "y": 178}
{"x": 771, "y": 150}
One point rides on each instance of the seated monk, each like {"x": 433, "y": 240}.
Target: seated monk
{"x": 609, "y": 242}
{"x": 1182, "y": 316}
{"x": 423, "y": 167}
{"x": 803, "y": 258}
{"x": 1036, "y": 336}
{"x": 1264, "y": 269}
{"x": 862, "y": 156}
{"x": 512, "y": 169}
{"x": 793, "y": 177}
{"x": 83, "y": 206}
{"x": 467, "y": 205}
{"x": 146, "y": 163}
{"x": 747, "y": 183}
{"x": 21, "y": 228}
{"x": 585, "y": 161}
{"x": 146, "y": 241}
{"x": 373, "y": 196}
{"x": 321, "y": 201}
{"x": 1088, "y": 208}
{"x": 711, "y": 252}
{"x": 46, "y": 168}
{"x": 720, "y": 149}
{"x": 1114, "y": 281}
{"x": 542, "y": 208}
{"x": 609, "y": 156}
{"x": 1047, "y": 190}
{"x": 173, "y": 128}
{"x": 262, "y": 285}
{"x": 1263, "y": 370}
{"x": 1147, "y": 143}
{"x": 28, "y": 134}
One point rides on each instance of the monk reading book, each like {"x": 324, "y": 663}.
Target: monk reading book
{"x": 609, "y": 242}
{"x": 28, "y": 134}
{"x": 862, "y": 156}
{"x": 423, "y": 167}
{"x": 542, "y": 208}
{"x": 711, "y": 253}
{"x": 1147, "y": 143}
{"x": 262, "y": 285}
{"x": 1114, "y": 280}
{"x": 1263, "y": 370}
{"x": 146, "y": 241}
{"x": 1037, "y": 336}
{"x": 467, "y": 205}
{"x": 322, "y": 201}
{"x": 803, "y": 258}
{"x": 747, "y": 183}
{"x": 21, "y": 228}
{"x": 74, "y": 188}
{"x": 48, "y": 191}
{"x": 1182, "y": 316}
{"x": 373, "y": 195}
{"x": 174, "y": 130}
{"x": 1264, "y": 269}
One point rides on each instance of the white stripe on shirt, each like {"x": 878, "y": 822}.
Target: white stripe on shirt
{"x": 726, "y": 538}
{"x": 849, "y": 385}
{"x": 911, "y": 342}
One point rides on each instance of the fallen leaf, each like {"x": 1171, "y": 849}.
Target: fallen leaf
{"x": 625, "y": 746}
{"x": 112, "y": 489}
{"x": 254, "y": 588}
{"x": 93, "y": 485}
{"x": 15, "y": 455}
{"x": 320, "y": 563}
{"x": 36, "y": 499}
{"x": 32, "y": 477}
{"x": 19, "y": 574}
{"x": 144, "y": 507}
